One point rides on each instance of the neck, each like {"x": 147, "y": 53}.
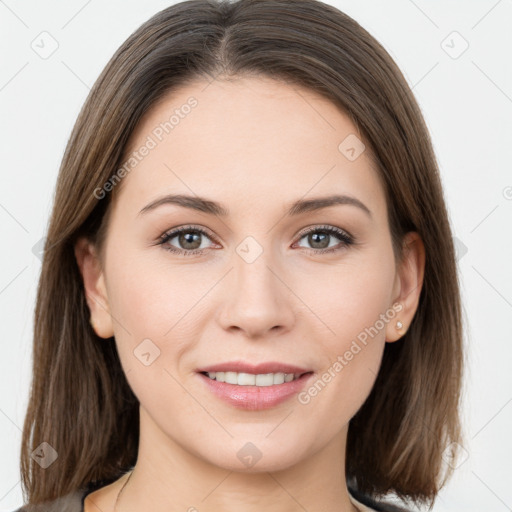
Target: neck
{"x": 169, "y": 477}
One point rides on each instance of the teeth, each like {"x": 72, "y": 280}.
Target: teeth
{"x": 249, "y": 379}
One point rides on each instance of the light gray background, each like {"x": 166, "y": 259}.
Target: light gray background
{"x": 467, "y": 103}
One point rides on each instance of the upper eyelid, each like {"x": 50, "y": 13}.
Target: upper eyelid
{"x": 319, "y": 227}
{"x": 190, "y": 227}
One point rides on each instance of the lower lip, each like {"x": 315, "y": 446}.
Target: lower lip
{"x": 255, "y": 398}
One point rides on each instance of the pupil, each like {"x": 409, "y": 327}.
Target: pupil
{"x": 187, "y": 240}
{"x": 321, "y": 238}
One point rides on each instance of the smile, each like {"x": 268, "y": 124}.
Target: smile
{"x": 249, "y": 379}
{"x": 255, "y": 392}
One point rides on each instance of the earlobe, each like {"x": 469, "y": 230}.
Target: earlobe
{"x": 94, "y": 286}
{"x": 409, "y": 285}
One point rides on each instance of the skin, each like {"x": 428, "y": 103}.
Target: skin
{"x": 255, "y": 145}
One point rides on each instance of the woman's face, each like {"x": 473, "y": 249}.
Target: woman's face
{"x": 245, "y": 281}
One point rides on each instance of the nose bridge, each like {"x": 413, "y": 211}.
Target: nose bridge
{"x": 254, "y": 279}
{"x": 257, "y": 300}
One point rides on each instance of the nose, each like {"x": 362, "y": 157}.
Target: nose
{"x": 258, "y": 300}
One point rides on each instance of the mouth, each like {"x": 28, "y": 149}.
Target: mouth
{"x": 251, "y": 379}
{"x": 258, "y": 387}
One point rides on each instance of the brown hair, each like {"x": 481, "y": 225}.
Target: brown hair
{"x": 80, "y": 401}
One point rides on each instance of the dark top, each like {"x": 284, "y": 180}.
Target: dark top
{"x": 74, "y": 502}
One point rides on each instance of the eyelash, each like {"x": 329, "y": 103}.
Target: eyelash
{"x": 346, "y": 239}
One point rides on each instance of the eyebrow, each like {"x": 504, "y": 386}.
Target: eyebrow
{"x": 296, "y": 208}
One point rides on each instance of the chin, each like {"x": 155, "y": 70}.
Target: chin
{"x": 254, "y": 455}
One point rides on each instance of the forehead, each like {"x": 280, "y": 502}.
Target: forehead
{"x": 247, "y": 137}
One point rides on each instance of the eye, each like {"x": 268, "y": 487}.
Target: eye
{"x": 188, "y": 239}
{"x": 320, "y": 238}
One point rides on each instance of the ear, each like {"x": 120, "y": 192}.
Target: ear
{"x": 94, "y": 285}
{"x": 408, "y": 285}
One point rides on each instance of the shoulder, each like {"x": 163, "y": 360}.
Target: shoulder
{"x": 72, "y": 502}
{"x": 374, "y": 505}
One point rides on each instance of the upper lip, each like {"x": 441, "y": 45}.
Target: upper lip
{"x": 261, "y": 368}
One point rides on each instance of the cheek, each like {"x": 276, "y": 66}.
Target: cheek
{"x": 348, "y": 298}
{"x": 352, "y": 300}
{"x": 151, "y": 298}
{"x": 148, "y": 306}
{"x": 155, "y": 323}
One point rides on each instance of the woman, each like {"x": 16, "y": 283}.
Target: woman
{"x": 249, "y": 295}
